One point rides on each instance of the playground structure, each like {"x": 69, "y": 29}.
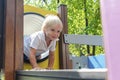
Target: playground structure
{"x": 90, "y": 62}
{"x": 13, "y": 38}
{"x": 13, "y": 41}
{"x": 70, "y": 74}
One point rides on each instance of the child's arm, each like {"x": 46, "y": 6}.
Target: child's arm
{"x": 33, "y": 58}
{"x": 51, "y": 60}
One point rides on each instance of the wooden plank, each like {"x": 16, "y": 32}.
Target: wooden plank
{"x": 63, "y": 49}
{"x": 9, "y": 39}
{"x": 13, "y": 46}
{"x": 19, "y": 35}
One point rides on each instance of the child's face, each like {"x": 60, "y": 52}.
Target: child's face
{"x": 53, "y": 32}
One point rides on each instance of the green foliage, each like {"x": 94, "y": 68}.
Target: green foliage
{"x": 83, "y": 18}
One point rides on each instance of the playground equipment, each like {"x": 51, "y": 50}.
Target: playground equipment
{"x": 86, "y": 61}
{"x": 13, "y": 37}
{"x": 69, "y": 74}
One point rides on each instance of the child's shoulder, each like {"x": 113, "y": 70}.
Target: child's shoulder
{"x": 38, "y": 33}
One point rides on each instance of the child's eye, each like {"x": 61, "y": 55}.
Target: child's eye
{"x": 52, "y": 30}
{"x": 58, "y": 31}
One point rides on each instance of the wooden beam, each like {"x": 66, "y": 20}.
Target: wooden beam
{"x": 63, "y": 48}
{"x": 9, "y": 39}
{"x": 13, "y": 38}
{"x": 19, "y": 35}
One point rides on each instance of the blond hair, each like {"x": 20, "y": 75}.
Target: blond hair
{"x": 51, "y": 20}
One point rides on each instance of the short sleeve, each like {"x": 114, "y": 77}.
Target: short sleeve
{"x": 34, "y": 42}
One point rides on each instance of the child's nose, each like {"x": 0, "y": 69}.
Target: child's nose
{"x": 56, "y": 34}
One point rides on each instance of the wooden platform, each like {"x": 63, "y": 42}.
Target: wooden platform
{"x": 67, "y": 74}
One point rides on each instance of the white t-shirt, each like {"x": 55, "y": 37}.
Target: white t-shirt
{"x": 37, "y": 41}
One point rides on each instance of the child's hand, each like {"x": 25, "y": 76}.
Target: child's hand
{"x": 49, "y": 68}
{"x": 36, "y": 68}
